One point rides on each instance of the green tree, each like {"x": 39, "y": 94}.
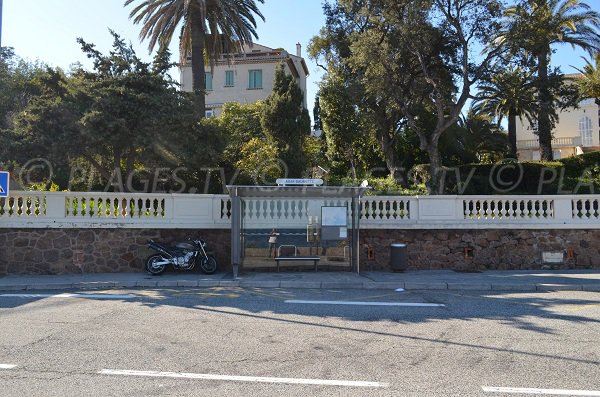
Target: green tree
{"x": 259, "y": 160}
{"x": 475, "y": 139}
{"x": 508, "y": 93}
{"x": 286, "y": 122}
{"x": 208, "y": 28}
{"x": 123, "y": 116}
{"x": 342, "y": 123}
{"x": 19, "y": 81}
{"x": 411, "y": 58}
{"x": 238, "y": 124}
{"x": 589, "y": 82}
{"x": 536, "y": 26}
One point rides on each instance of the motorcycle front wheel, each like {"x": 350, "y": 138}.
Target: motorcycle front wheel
{"x": 209, "y": 264}
{"x": 152, "y": 265}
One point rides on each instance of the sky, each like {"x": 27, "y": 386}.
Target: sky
{"x": 47, "y": 30}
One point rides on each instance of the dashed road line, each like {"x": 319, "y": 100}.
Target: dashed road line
{"x": 553, "y": 392}
{"x": 7, "y": 366}
{"x": 68, "y": 296}
{"x": 365, "y": 303}
{"x": 255, "y": 379}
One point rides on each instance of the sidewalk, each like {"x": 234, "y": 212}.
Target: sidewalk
{"x": 571, "y": 280}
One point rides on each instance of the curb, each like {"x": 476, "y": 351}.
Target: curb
{"x": 270, "y": 284}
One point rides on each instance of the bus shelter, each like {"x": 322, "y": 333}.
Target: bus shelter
{"x": 295, "y": 226}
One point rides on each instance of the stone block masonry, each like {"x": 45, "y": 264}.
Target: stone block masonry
{"x": 87, "y": 250}
{"x": 62, "y": 251}
{"x": 482, "y": 249}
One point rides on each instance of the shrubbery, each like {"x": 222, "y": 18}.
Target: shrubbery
{"x": 574, "y": 175}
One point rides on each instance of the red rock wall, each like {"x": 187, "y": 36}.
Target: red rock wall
{"x": 501, "y": 249}
{"x": 59, "y": 251}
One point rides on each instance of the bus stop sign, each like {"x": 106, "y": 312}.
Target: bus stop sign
{"x": 4, "y": 178}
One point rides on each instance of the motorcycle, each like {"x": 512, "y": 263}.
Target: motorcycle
{"x": 184, "y": 256}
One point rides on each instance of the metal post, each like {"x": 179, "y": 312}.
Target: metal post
{"x": 355, "y": 243}
{"x": 0, "y": 27}
{"x": 236, "y": 226}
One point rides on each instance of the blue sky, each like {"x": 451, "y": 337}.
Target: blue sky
{"x": 46, "y": 30}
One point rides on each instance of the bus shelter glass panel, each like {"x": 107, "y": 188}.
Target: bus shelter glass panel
{"x": 284, "y": 227}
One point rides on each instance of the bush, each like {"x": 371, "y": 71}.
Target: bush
{"x": 504, "y": 178}
{"x": 573, "y": 175}
{"x": 383, "y": 186}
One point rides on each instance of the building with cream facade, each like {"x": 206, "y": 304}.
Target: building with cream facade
{"x": 577, "y": 131}
{"x": 246, "y": 77}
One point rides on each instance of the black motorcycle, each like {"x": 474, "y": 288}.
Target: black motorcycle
{"x": 184, "y": 256}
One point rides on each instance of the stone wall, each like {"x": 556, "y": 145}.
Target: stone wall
{"x": 473, "y": 250}
{"x": 58, "y": 251}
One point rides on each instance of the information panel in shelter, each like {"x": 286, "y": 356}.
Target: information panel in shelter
{"x": 334, "y": 223}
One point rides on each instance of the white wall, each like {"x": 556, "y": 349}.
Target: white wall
{"x": 138, "y": 210}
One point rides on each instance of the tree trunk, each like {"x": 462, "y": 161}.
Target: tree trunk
{"x": 512, "y": 133}
{"x": 435, "y": 184}
{"x": 388, "y": 147}
{"x": 544, "y": 125}
{"x": 198, "y": 69}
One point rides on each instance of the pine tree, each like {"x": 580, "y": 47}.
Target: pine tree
{"x": 286, "y": 122}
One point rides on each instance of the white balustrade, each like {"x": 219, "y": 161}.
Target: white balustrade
{"x": 23, "y": 205}
{"x": 96, "y": 209}
{"x": 556, "y": 142}
{"x": 586, "y": 208}
{"x": 386, "y": 210}
{"x": 508, "y": 209}
{"x": 139, "y": 210}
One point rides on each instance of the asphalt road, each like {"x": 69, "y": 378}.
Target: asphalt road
{"x": 263, "y": 342}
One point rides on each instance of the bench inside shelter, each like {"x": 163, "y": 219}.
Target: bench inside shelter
{"x": 314, "y": 259}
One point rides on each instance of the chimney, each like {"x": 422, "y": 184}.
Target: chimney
{"x": 299, "y": 50}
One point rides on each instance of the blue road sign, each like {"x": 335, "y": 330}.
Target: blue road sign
{"x": 4, "y": 178}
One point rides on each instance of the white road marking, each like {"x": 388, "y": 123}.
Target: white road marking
{"x": 366, "y": 303}
{"x": 554, "y": 392}
{"x": 259, "y": 379}
{"x": 68, "y": 296}
{"x": 7, "y": 366}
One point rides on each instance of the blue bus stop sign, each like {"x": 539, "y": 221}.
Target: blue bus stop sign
{"x": 4, "y": 178}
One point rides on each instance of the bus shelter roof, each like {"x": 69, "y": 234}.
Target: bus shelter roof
{"x": 296, "y": 191}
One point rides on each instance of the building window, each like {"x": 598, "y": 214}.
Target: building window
{"x": 254, "y": 79}
{"x": 208, "y": 81}
{"x": 229, "y": 78}
{"x": 585, "y": 130}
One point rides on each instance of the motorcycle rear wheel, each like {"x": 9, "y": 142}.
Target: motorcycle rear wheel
{"x": 209, "y": 264}
{"x": 152, "y": 267}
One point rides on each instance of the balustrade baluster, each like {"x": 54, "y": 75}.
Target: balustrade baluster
{"x": 495, "y": 209}
{"x": 588, "y": 213}
{"x": 293, "y": 209}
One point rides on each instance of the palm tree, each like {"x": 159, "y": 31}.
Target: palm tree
{"x": 509, "y": 93}
{"x": 535, "y": 26}
{"x": 589, "y": 81}
{"x": 208, "y": 29}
